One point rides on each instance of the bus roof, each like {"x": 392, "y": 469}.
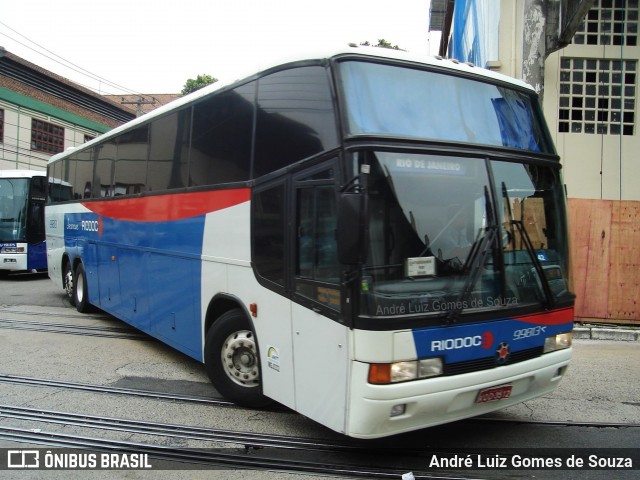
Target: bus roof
{"x": 282, "y": 60}
{"x": 21, "y": 173}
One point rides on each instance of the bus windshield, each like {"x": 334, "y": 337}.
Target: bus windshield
{"x": 13, "y": 208}
{"x": 443, "y": 240}
{"x": 429, "y": 105}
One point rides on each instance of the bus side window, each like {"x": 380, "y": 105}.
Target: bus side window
{"x": 103, "y": 173}
{"x": 295, "y": 118}
{"x": 268, "y": 247}
{"x": 168, "y": 166}
{"x": 317, "y": 270}
{"x": 38, "y": 187}
{"x": 221, "y": 137}
{"x": 35, "y": 229}
{"x": 81, "y": 173}
{"x": 131, "y": 162}
{"x": 317, "y": 223}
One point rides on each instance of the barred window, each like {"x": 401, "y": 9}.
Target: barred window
{"x": 597, "y": 96}
{"x": 46, "y": 137}
{"x": 609, "y": 22}
{"x": 1, "y": 126}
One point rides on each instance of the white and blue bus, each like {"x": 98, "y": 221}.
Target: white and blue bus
{"x": 22, "y": 236}
{"x": 374, "y": 240}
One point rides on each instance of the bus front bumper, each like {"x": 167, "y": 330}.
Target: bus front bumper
{"x": 374, "y": 409}
{"x": 13, "y": 261}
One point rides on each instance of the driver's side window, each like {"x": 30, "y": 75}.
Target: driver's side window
{"x": 317, "y": 270}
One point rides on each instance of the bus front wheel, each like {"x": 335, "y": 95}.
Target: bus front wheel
{"x": 231, "y": 360}
{"x": 80, "y": 290}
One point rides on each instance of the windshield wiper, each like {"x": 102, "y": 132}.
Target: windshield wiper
{"x": 473, "y": 268}
{"x": 536, "y": 263}
{"x": 524, "y": 235}
{"x": 483, "y": 244}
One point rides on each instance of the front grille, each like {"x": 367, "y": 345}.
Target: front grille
{"x": 490, "y": 362}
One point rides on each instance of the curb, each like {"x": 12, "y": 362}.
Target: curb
{"x": 589, "y": 332}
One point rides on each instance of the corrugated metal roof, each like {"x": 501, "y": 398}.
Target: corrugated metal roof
{"x": 38, "y": 78}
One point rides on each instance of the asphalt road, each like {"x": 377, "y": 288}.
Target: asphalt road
{"x": 43, "y": 337}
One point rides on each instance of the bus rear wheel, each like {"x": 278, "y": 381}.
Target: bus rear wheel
{"x": 80, "y": 290}
{"x": 232, "y": 362}
{"x": 67, "y": 280}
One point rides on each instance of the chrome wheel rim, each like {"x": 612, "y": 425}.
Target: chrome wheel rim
{"x": 68, "y": 283}
{"x": 240, "y": 359}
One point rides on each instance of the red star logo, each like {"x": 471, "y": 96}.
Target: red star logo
{"x": 502, "y": 353}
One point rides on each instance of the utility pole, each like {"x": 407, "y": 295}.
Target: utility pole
{"x": 141, "y": 101}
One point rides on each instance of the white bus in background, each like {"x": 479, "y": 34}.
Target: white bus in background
{"x": 22, "y": 236}
{"x": 375, "y": 240}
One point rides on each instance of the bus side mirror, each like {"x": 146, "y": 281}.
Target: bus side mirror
{"x": 352, "y": 227}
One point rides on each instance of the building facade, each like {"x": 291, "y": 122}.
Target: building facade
{"x": 591, "y": 103}
{"x": 42, "y": 114}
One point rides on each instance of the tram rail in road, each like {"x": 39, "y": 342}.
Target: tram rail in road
{"x": 51, "y": 382}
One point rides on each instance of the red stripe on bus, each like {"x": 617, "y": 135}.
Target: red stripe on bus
{"x": 166, "y": 208}
{"x": 556, "y": 317}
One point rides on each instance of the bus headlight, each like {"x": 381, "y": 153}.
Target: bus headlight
{"x": 558, "y": 342}
{"x": 386, "y": 373}
{"x": 403, "y": 371}
{"x": 430, "y": 367}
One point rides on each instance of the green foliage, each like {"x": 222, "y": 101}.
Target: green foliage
{"x": 382, "y": 43}
{"x": 192, "y": 85}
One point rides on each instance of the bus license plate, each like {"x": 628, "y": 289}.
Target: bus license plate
{"x": 493, "y": 394}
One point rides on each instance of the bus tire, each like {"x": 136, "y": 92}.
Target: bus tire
{"x": 68, "y": 282}
{"x": 81, "y": 290}
{"x": 232, "y": 362}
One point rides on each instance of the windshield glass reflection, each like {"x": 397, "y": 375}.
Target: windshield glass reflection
{"x": 441, "y": 241}
{"x": 431, "y": 105}
{"x": 13, "y": 211}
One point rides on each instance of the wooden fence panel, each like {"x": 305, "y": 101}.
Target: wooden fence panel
{"x": 624, "y": 280}
{"x": 605, "y": 249}
{"x": 579, "y": 225}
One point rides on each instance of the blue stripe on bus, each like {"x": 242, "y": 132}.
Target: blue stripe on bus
{"x": 147, "y": 273}
{"x": 459, "y": 343}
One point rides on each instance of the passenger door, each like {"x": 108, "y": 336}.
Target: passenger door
{"x": 320, "y": 339}
{"x": 316, "y": 268}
